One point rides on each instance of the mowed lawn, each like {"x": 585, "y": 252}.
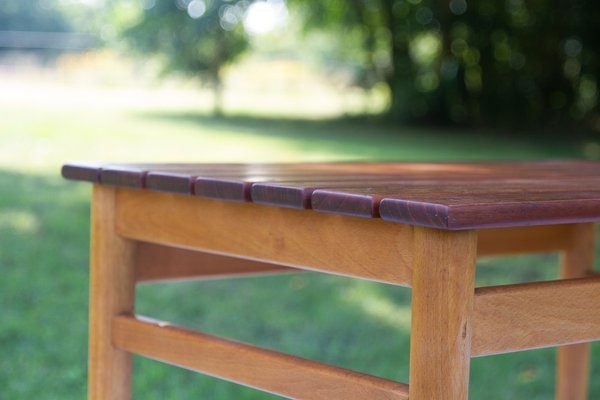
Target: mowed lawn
{"x": 359, "y": 325}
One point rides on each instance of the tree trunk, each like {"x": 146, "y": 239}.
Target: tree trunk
{"x": 219, "y": 60}
{"x": 217, "y": 96}
{"x": 399, "y": 79}
{"x": 438, "y": 112}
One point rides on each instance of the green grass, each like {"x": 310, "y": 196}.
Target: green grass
{"x": 358, "y": 325}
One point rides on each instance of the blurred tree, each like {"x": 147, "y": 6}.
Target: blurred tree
{"x": 194, "y": 37}
{"x": 519, "y": 63}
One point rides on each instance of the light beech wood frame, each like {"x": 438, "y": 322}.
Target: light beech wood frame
{"x": 249, "y": 365}
{"x": 143, "y": 236}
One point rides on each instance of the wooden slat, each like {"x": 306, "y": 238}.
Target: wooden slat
{"x": 263, "y": 369}
{"x": 257, "y": 187}
{"x": 135, "y": 175}
{"x": 172, "y": 182}
{"x": 223, "y": 188}
{"x": 468, "y": 207}
{"x": 219, "y": 181}
{"x": 437, "y": 195}
{"x": 225, "y": 182}
{"x": 159, "y": 263}
{"x": 298, "y": 193}
{"x": 358, "y": 203}
{"x": 493, "y": 210}
{"x": 369, "y": 249}
{"x": 440, "y": 202}
{"x": 440, "y": 172}
{"x": 535, "y": 315}
{"x": 88, "y": 172}
{"x": 174, "y": 177}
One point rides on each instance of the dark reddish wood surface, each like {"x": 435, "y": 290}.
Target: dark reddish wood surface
{"x": 440, "y": 195}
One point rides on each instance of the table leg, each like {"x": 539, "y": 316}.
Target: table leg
{"x": 573, "y": 361}
{"x": 112, "y": 292}
{"x": 442, "y": 305}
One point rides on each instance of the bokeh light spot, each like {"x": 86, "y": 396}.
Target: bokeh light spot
{"x": 265, "y": 16}
{"x": 572, "y": 47}
{"x": 458, "y": 7}
{"x": 196, "y": 8}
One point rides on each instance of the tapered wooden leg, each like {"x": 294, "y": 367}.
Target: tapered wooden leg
{"x": 573, "y": 361}
{"x": 442, "y": 305}
{"x": 112, "y": 288}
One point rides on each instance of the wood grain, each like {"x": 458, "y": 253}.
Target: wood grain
{"x": 535, "y": 315}
{"x": 525, "y": 239}
{"x": 297, "y": 193}
{"x": 493, "y": 210}
{"x": 370, "y": 249}
{"x": 442, "y": 305}
{"x": 88, "y": 172}
{"x": 265, "y": 188}
{"x": 161, "y": 263}
{"x": 223, "y": 188}
{"x": 263, "y": 369}
{"x": 172, "y": 182}
{"x": 572, "y": 372}
{"x": 112, "y": 287}
{"x": 437, "y": 195}
{"x": 357, "y": 247}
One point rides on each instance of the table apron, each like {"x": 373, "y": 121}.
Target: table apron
{"x": 370, "y": 249}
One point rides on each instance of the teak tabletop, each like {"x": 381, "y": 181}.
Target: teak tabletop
{"x": 423, "y": 226}
{"x": 437, "y": 195}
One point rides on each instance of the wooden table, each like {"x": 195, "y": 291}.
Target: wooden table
{"x": 416, "y": 225}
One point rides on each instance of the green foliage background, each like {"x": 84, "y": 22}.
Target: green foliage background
{"x": 198, "y": 46}
{"x": 529, "y": 63}
{"x": 517, "y": 63}
{"x": 488, "y": 63}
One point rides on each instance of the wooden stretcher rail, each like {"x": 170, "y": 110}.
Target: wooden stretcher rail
{"x": 160, "y": 263}
{"x": 248, "y": 365}
{"x": 535, "y": 315}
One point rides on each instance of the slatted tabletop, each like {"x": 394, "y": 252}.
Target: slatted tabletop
{"x": 438, "y": 195}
